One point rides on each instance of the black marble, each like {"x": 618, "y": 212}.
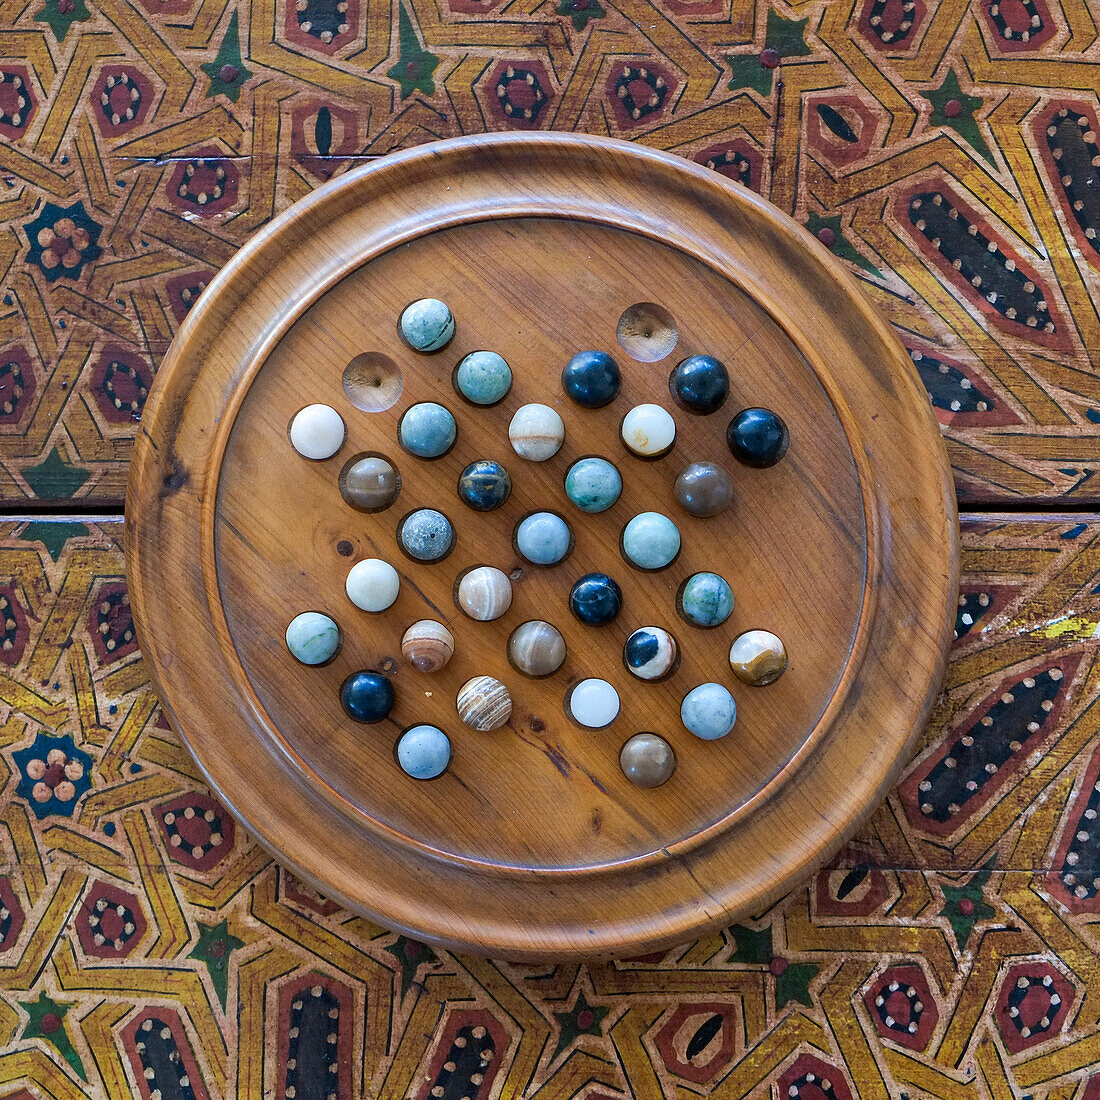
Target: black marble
{"x": 591, "y": 378}
{"x": 367, "y": 696}
{"x": 699, "y": 384}
{"x": 757, "y": 437}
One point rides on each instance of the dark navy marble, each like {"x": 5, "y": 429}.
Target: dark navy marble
{"x": 367, "y": 696}
{"x": 591, "y": 378}
{"x": 757, "y": 437}
{"x": 596, "y": 599}
{"x": 700, "y": 384}
{"x": 484, "y": 485}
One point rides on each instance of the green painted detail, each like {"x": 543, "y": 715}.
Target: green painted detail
{"x": 794, "y": 984}
{"x": 412, "y": 955}
{"x": 964, "y": 124}
{"x": 972, "y": 890}
{"x": 787, "y": 36}
{"x": 415, "y": 64}
{"x": 55, "y": 478}
{"x": 213, "y": 947}
{"x": 842, "y": 247}
{"x": 229, "y": 54}
{"x": 53, "y": 536}
{"x": 61, "y": 15}
{"x": 752, "y": 946}
{"x": 581, "y": 1019}
{"x": 47, "y": 1022}
{"x": 580, "y": 11}
{"x": 747, "y": 72}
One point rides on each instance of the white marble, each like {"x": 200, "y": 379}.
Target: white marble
{"x": 317, "y": 432}
{"x": 594, "y": 703}
{"x": 648, "y": 430}
{"x": 372, "y": 584}
{"x": 536, "y": 432}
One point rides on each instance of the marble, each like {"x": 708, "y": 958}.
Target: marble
{"x": 758, "y": 657}
{"x": 484, "y": 593}
{"x": 708, "y": 711}
{"x": 424, "y": 752}
{"x": 427, "y": 645}
{"x": 543, "y": 538}
{"x": 536, "y": 648}
{"x": 593, "y": 484}
{"x": 484, "y": 485}
{"x": 427, "y": 325}
{"x": 369, "y": 483}
{"x": 758, "y": 437}
{"x": 536, "y": 432}
{"x": 700, "y": 384}
{"x": 651, "y": 653}
{"x": 317, "y": 432}
{"x": 426, "y": 535}
{"x": 647, "y": 760}
{"x": 367, "y": 696}
{"x": 484, "y": 703}
{"x": 591, "y": 379}
{"x": 313, "y": 637}
{"x": 372, "y": 584}
{"x": 596, "y": 599}
{"x": 705, "y": 599}
{"x": 648, "y": 431}
{"x": 593, "y": 703}
{"x": 703, "y": 489}
{"x": 427, "y": 430}
{"x": 650, "y": 541}
{"x": 483, "y": 378}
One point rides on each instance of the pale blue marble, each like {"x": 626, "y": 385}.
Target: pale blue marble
{"x": 424, "y": 752}
{"x": 593, "y": 484}
{"x": 483, "y": 377}
{"x": 708, "y": 711}
{"x": 651, "y": 541}
{"x": 428, "y": 324}
{"x": 543, "y": 538}
{"x": 427, "y": 430}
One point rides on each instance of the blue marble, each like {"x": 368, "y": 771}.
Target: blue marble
{"x": 426, "y": 535}
{"x": 427, "y": 430}
{"x": 650, "y": 541}
{"x": 596, "y": 599}
{"x": 591, "y": 378}
{"x": 483, "y": 377}
{"x": 313, "y": 638}
{"x": 484, "y": 485}
{"x": 427, "y": 325}
{"x": 367, "y": 696}
{"x": 708, "y": 711}
{"x": 699, "y": 383}
{"x": 593, "y": 484}
{"x": 424, "y": 752}
{"x": 758, "y": 437}
{"x": 543, "y": 538}
{"x": 705, "y": 599}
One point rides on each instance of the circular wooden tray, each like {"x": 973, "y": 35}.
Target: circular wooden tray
{"x": 534, "y": 844}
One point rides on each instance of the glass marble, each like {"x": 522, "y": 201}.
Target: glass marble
{"x": 427, "y": 325}
{"x": 424, "y": 752}
{"x": 758, "y": 437}
{"x": 427, "y": 430}
{"x": 650, "y": 541}
{"x": 369, "y": 483}
{"x": 596, "y": 599}
{"x": 651, "y": 653}
{"x": 647, "y": 760}
{"x": 483, "y": 378}
{"x": 536, "y": 648}
{"x": 372, "y": 584}
{"x": 484, "y": 593}
{"x": 700, "y": 384}
{"x": 313, "y": 638}
{"x": 426, "y": 535}
{"x": 591, "y": 379}
{"x": 317, "y": 432}
{"x": 703, "y": 489}
{"x": 593, "y": 703}
{"x": 536, "y": 432}
{"x": 648, "y": 431}
{"x": 705, "y": 599}
{"x": 484, "y": 485}
{"x": 367, "y": 696}
{"x": 593, "y": 484}
{"x": 758, "y": 657}
{"x": 708, "y": 711}
{"x": 543, "y": 538}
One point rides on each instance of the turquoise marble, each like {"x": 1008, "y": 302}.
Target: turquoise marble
{"x": 650, "y": 541}
{"x": 427, "y": 430}
{"x": 593, "y": 484}
{"x": 483, "y": 377}
{"x": 543, "y": 538}
{"x": 708, "y": 711}
{"x": 426, "y": 535}
{"x": 427, "y": 325}
{"x": 313, "y": 637}
{"x": 423, "y": 752}
{"x": 705, "y": 599}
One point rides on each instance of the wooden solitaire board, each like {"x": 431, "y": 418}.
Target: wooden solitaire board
{"x": 534, "y": 844}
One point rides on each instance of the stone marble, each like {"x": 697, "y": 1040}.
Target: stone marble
{"x": 317, "y": 432}
{"x": 700, "y": 384}
{"x": 483, "y": 378}
{"x": 536, "y": 432}
{"x": 591, "y": 379}
{"x": 705, "y": 599}
{"x": 543, "y": 538}
{"x": 596, "y": 599}
{"x": 758, "y": 657}
{"x": 484, "y": 703}
{"x": 367, "y": 696}
{"x": 758, "y": 437}
{"x": 647, "y": 760}
{"x": 651, "y": 653}
{"x": 484, "y": 593}
{"x": 708, "y": 711}
{"x": 426, "y": 535}
{"x": 427, "y": 325}
{"x": 427, "y": 430}
{"x": 593, "y": 703}
{"x": 372, "y": 584}
{"x": 369, "y": 483}
{"x": 648, "y": 431}
{"x": 424, "y": 752}
{"x": 427, "y": 645}
{"x": 484, "y": 485}
{"x": 593, "y": 484}
{"x": 313, "y": 637}
{"x": 703, "y": 489}
{"x": 536, "y": 648}
{"x": 650, "y": 541}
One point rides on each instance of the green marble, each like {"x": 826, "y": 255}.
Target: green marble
{"x": 706, "y": 599}
{"x": 312, "y": 637}
{"x": 593, "y": 484}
